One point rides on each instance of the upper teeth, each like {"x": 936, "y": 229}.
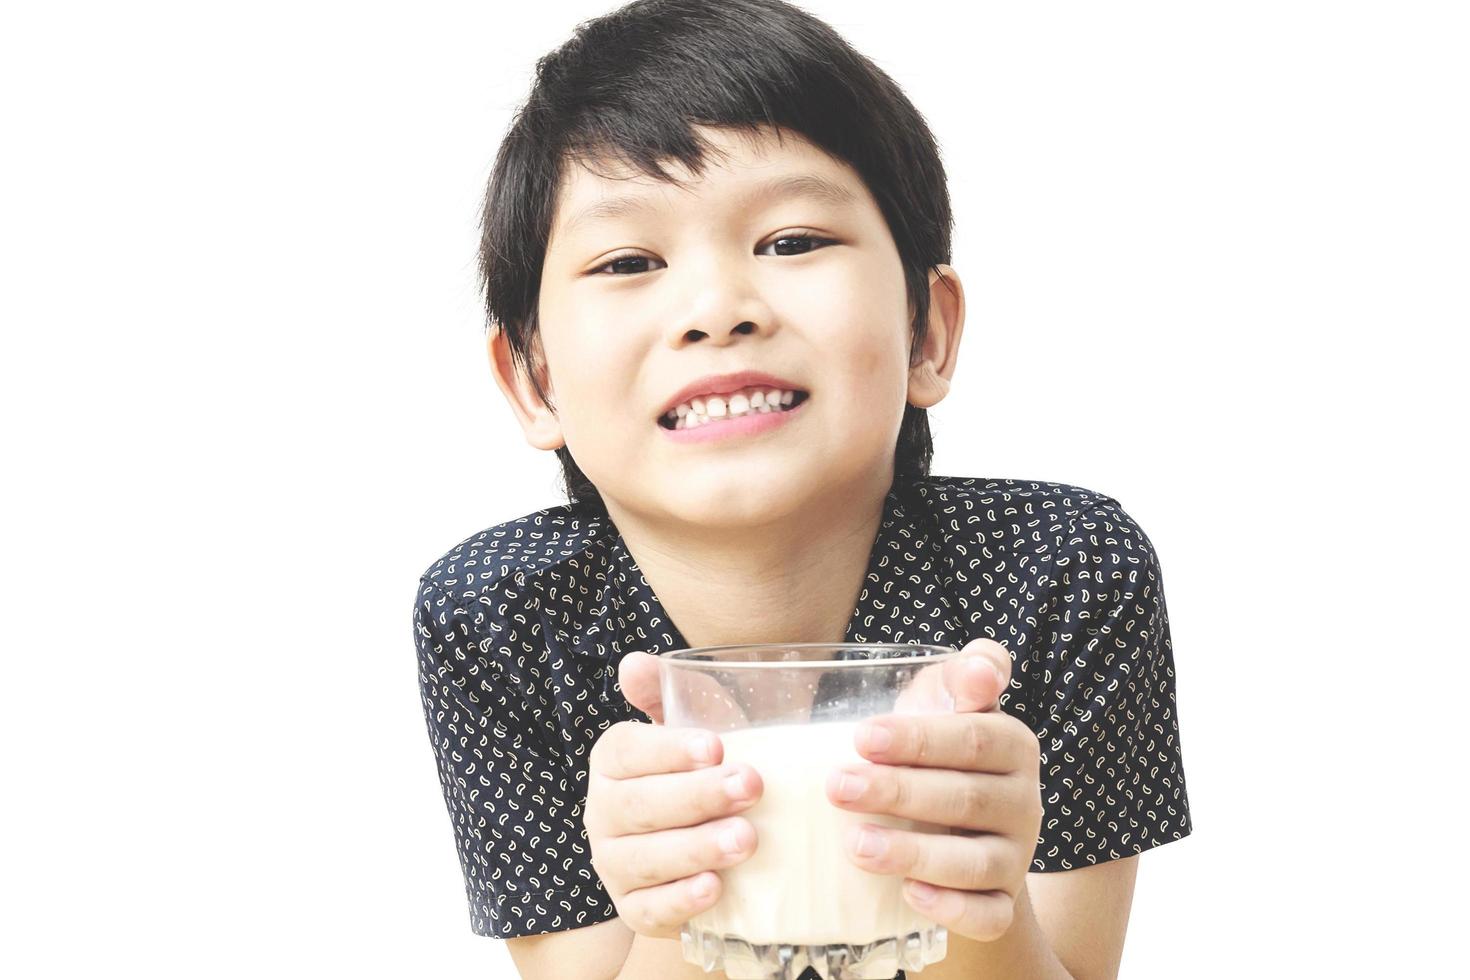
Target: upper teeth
{"x": 698, "y": 411}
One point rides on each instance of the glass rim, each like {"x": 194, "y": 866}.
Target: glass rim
{"x": 674, "y": 659}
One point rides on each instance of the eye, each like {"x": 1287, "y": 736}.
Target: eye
{"x": 620, "y": 261}
{"x": 621, "y": 267}
{"x": 814, "y": 241}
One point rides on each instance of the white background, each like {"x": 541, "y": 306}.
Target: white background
{"x": 1215, "y": 259}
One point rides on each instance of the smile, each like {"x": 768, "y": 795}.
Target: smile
{"x": 752, "y": 422}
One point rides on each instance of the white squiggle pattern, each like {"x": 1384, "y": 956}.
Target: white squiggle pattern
{"x": 519, "y": 630}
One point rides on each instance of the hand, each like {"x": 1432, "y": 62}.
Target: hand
{"x": 659, "y": 817}
{"x": 963, "y": 763}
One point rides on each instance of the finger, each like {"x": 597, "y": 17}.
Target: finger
{"x": 972, "y": 681}
{"x": 972, "y": 862}
{"x": 666, "y": 800}
{"x": 645, "y": 860}
{"x": 641, "y": 675}
{"x": 628, "y": 749}
{"x": 973, "y": 801}
{"x": 985, "y": 916}
{"x": 638, "y": 676}
{"x": 978, "y": 676}
{"x": 925, "y": 693}
{"x": 661, "y": 910}
{"x": 990, "y": 741}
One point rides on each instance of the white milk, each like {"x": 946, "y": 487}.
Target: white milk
{"x": 799, "y": 886}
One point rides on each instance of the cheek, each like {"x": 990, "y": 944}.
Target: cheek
{"x": 852, "y": 331}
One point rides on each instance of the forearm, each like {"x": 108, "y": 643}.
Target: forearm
{"x": 1023, "y": 953}
{"x": 657, "y": 959}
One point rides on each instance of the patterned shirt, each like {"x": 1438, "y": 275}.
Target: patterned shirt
{"x": 520, "y": 628}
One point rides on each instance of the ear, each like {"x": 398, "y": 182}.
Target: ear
{"x": 537, "y": 420}
{"x": 929, "y": 378}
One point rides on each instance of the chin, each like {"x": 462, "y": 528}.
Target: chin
{"x": 751, "y": 504}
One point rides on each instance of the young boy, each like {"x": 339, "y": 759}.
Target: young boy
{"x": 716, "y": 246}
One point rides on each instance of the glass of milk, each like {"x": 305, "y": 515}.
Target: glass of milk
{"x": 792, "y": 711}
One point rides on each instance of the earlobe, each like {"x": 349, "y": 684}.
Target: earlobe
{"x": 929, "y": 379}
{"x": 927, "y": 387}
{"x": 537, "y": 421}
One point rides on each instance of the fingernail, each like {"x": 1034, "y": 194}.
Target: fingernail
{"x": 735, "y": 787}
{"x": 877, "y": 737}
{"x": 702, "y": 748}
{"x": 923, "y": 894}
{"x": 851, "y": 786}
{"x": 730, "y": 841}
{"x": 1000, "y": 675}
{"x": 871, "y": 843}
{"x": 702, "y": 887}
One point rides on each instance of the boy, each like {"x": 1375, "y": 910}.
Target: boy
{"x": 715, "y": 252}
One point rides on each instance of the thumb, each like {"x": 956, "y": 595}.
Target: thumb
{"x": 972, "y": 681}
{"x": 638, "y": 676}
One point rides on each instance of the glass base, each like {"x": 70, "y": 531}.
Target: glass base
{"x": 878, "y": 960}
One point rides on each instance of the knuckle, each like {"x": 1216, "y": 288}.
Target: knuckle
{"x": 1035, "y": 807}
{"x": 977, "y": 740}
{"x": 607, "y": 862}
{"x": 604, "y": 874}
{"x": 603, "y": 757}
{"x": 599, "y": 750}
{"x": 989, "y": 917}
{"x": 647, "y": 917}
{"x": 981, "y": 866}
{"x": 1023, "y": 739}
{"x": 621, "y": 756}
{"x": 592, "y": 812}
{"x": 923, "y": 746}
{"x": 899, "y": 792}
{"x": 639, "y": 819}
{"x": 639, "y": 874}
{"x": 974, "y": 801}
{"x": 1003, "y": 914}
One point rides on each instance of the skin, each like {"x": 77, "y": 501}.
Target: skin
{"x": 780, "y": 523}
{"x": 779, "y": 526}
{"x": 973, "y": 768}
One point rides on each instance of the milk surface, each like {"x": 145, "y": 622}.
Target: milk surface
{"x": 799, "y": 886}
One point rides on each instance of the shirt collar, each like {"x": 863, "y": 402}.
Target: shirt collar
{"x": 904, "y": 598}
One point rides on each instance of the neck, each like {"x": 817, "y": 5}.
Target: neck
{"x": 795, "y": 580}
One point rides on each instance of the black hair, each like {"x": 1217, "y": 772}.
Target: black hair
{"x": 631, "y": 84}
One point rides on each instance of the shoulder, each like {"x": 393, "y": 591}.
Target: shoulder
{"x": 512, "y": 554}
{"x": 1032, "y": 517}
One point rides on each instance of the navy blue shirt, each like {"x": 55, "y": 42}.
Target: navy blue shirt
{"x": 519, "y": 631}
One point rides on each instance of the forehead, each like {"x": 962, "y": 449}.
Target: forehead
{"x": 742, "y": 171}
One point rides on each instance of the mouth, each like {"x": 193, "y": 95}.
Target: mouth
{"x": 714, "y": 409}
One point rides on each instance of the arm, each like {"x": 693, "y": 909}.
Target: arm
{"x": 1084, "y": 914}
{"x": 593, "y": 951}
{"x": 608, "y": 950}
{"x": 1069, "y": 925}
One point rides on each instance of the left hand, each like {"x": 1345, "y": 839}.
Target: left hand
{"x": 974, "y": 769}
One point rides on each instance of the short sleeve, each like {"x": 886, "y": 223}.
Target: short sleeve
{"x": 515, "y": 810}
{"x": 1112, "y": 775}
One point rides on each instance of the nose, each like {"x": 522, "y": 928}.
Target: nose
{"x": 720, "y": 302}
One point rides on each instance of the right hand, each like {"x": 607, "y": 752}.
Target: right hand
{"x": 657, "y": 815}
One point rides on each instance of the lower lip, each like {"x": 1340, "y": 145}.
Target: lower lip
{"x": 745, "y": 425}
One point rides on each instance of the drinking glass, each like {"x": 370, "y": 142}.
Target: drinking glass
{"x": 791, "y": 711}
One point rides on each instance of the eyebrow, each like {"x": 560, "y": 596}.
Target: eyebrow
{"x": 810, "y": 186}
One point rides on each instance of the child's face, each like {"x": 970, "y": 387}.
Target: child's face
{"x": 700, "y": 287}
